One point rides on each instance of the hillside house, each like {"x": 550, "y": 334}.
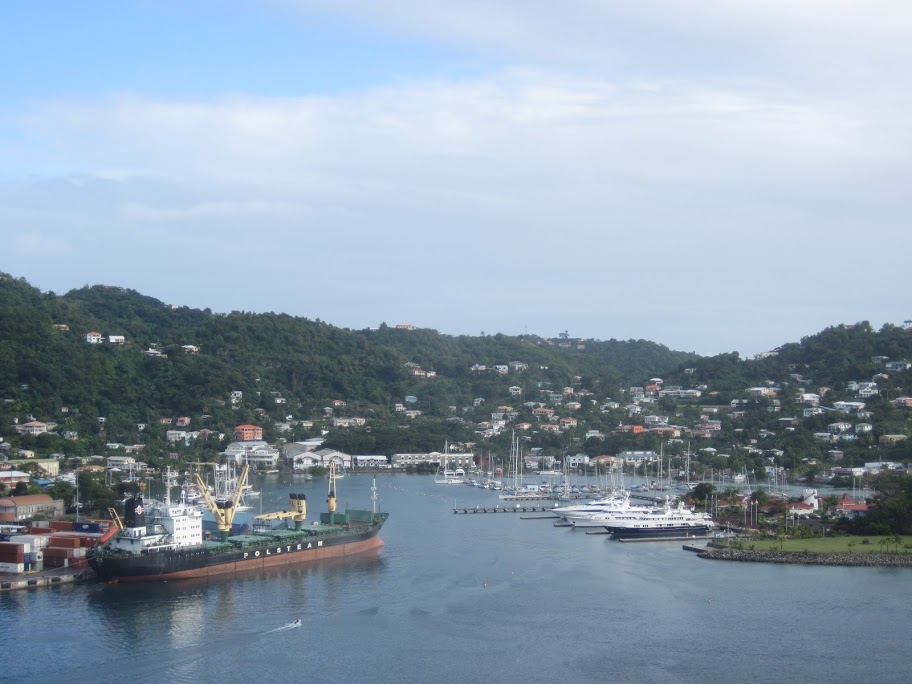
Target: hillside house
{"x": 246, "y": 433}
{"x": 898, "y": 365}
{"x": 34, "y": 427}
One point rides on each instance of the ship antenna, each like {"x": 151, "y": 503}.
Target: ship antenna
{"x": 374, "y": 494}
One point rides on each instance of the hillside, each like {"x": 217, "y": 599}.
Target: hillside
{"x": 283, "y": 366}
{"x": 834, "y": 398}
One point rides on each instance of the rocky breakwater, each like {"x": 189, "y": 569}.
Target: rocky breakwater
{"x": 880, "y": 560}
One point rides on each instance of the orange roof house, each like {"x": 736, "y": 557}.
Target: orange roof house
{"x": 246, "y": 433}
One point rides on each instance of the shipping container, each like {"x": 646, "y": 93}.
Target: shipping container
{"x": 92, "y": 527}
{"x": 37, "y": 541}
{"x": 61, "y": 541}
{"x": 55, "y": 552}
{"x": 15, "y": 568}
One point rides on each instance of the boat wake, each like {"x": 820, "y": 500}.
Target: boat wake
{"x": 290, "y": 625}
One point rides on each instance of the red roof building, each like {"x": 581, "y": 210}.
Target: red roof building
{"x": 246, "y": 433}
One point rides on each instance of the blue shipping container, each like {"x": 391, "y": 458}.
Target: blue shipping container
{"x": 91, "y": 527}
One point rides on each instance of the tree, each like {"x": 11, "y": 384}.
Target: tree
{"x": 21, "y": 489}
{"x": 62, "y": 491}
{"x": 702, "y": 492}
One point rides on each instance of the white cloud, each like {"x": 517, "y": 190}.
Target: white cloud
{"x": 35, "y": 245}
{"x": 709, "y": 175}
{"x": 239, "y": 211}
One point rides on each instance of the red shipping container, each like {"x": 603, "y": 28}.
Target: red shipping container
{"x": 56, "y": 552}
{"x": 64, "y": 542}
{"x": 61, "y": 526}
{"x": 40, "y": 530}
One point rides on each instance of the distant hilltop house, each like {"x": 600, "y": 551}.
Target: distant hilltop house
{"x": 94, "y": 337}
{"x": 34, "y": 427}
{"x": 245, "y": 433}
{"x": 898, "y": 365}
{"x": 116, "y": 339}
{"x": 406, "y": 326}
{"x": 354, "y": 421}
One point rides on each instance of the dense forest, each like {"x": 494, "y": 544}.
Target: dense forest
{"x": 296, "y": 374}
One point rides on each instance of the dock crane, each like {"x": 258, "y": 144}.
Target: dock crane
{"x": 224, "y": 513}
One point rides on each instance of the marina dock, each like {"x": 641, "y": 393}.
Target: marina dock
{"x": 502, "y": 509}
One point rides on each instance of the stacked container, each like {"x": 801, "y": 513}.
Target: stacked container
{"x": 12, "y": 557}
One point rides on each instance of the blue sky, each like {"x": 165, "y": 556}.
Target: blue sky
{"x": 713, "y": 176}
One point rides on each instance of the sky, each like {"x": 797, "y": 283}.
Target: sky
{"x": 714, "y": 176}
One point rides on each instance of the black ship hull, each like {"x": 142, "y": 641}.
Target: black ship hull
{"x": 200, "y": 561}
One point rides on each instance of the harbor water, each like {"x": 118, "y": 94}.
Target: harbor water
{"x": 470, "y": 598}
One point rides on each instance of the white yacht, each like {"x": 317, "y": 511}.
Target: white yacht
{"x": 667, "y": 521}
{"x": 617, "y": 502}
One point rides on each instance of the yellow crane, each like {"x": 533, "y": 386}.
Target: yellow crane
{"x": 224, "y": 513}
{"x": 297, "y": 511}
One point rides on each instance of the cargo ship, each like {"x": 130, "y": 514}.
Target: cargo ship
{"x": 164, "y": 540}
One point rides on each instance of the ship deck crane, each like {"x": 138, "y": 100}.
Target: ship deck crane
{"x": 297, "y": 512}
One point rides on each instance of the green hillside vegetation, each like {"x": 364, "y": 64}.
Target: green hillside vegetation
{"x": 44, "y": 369}
{"x": 287, "y": 366}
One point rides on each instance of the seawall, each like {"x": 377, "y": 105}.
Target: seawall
{"x": 881, "y": 560}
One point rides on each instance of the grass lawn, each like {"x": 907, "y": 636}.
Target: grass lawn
{"x": 831, "y": 545}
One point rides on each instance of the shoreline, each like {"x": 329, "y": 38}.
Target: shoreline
{"x": 873, "y": 560}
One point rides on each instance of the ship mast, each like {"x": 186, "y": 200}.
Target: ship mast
{"x": 331, "y": 496}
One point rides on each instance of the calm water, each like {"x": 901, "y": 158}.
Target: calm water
{"x": 472, "y": 598}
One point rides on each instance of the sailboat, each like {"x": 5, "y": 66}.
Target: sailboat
{"x": 659, "y": 484}
{"x": 686, "y": 485}
{"x": 444, "y": 475}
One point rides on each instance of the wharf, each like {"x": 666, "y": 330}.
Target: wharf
{"x": 656, "y": 500}
{"x": 636, "y": 540}
{"x": 45, "y": 578}
{"x": 502, "y": 509}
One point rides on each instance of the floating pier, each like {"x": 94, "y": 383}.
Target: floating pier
{"x": 502, "y": 509}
